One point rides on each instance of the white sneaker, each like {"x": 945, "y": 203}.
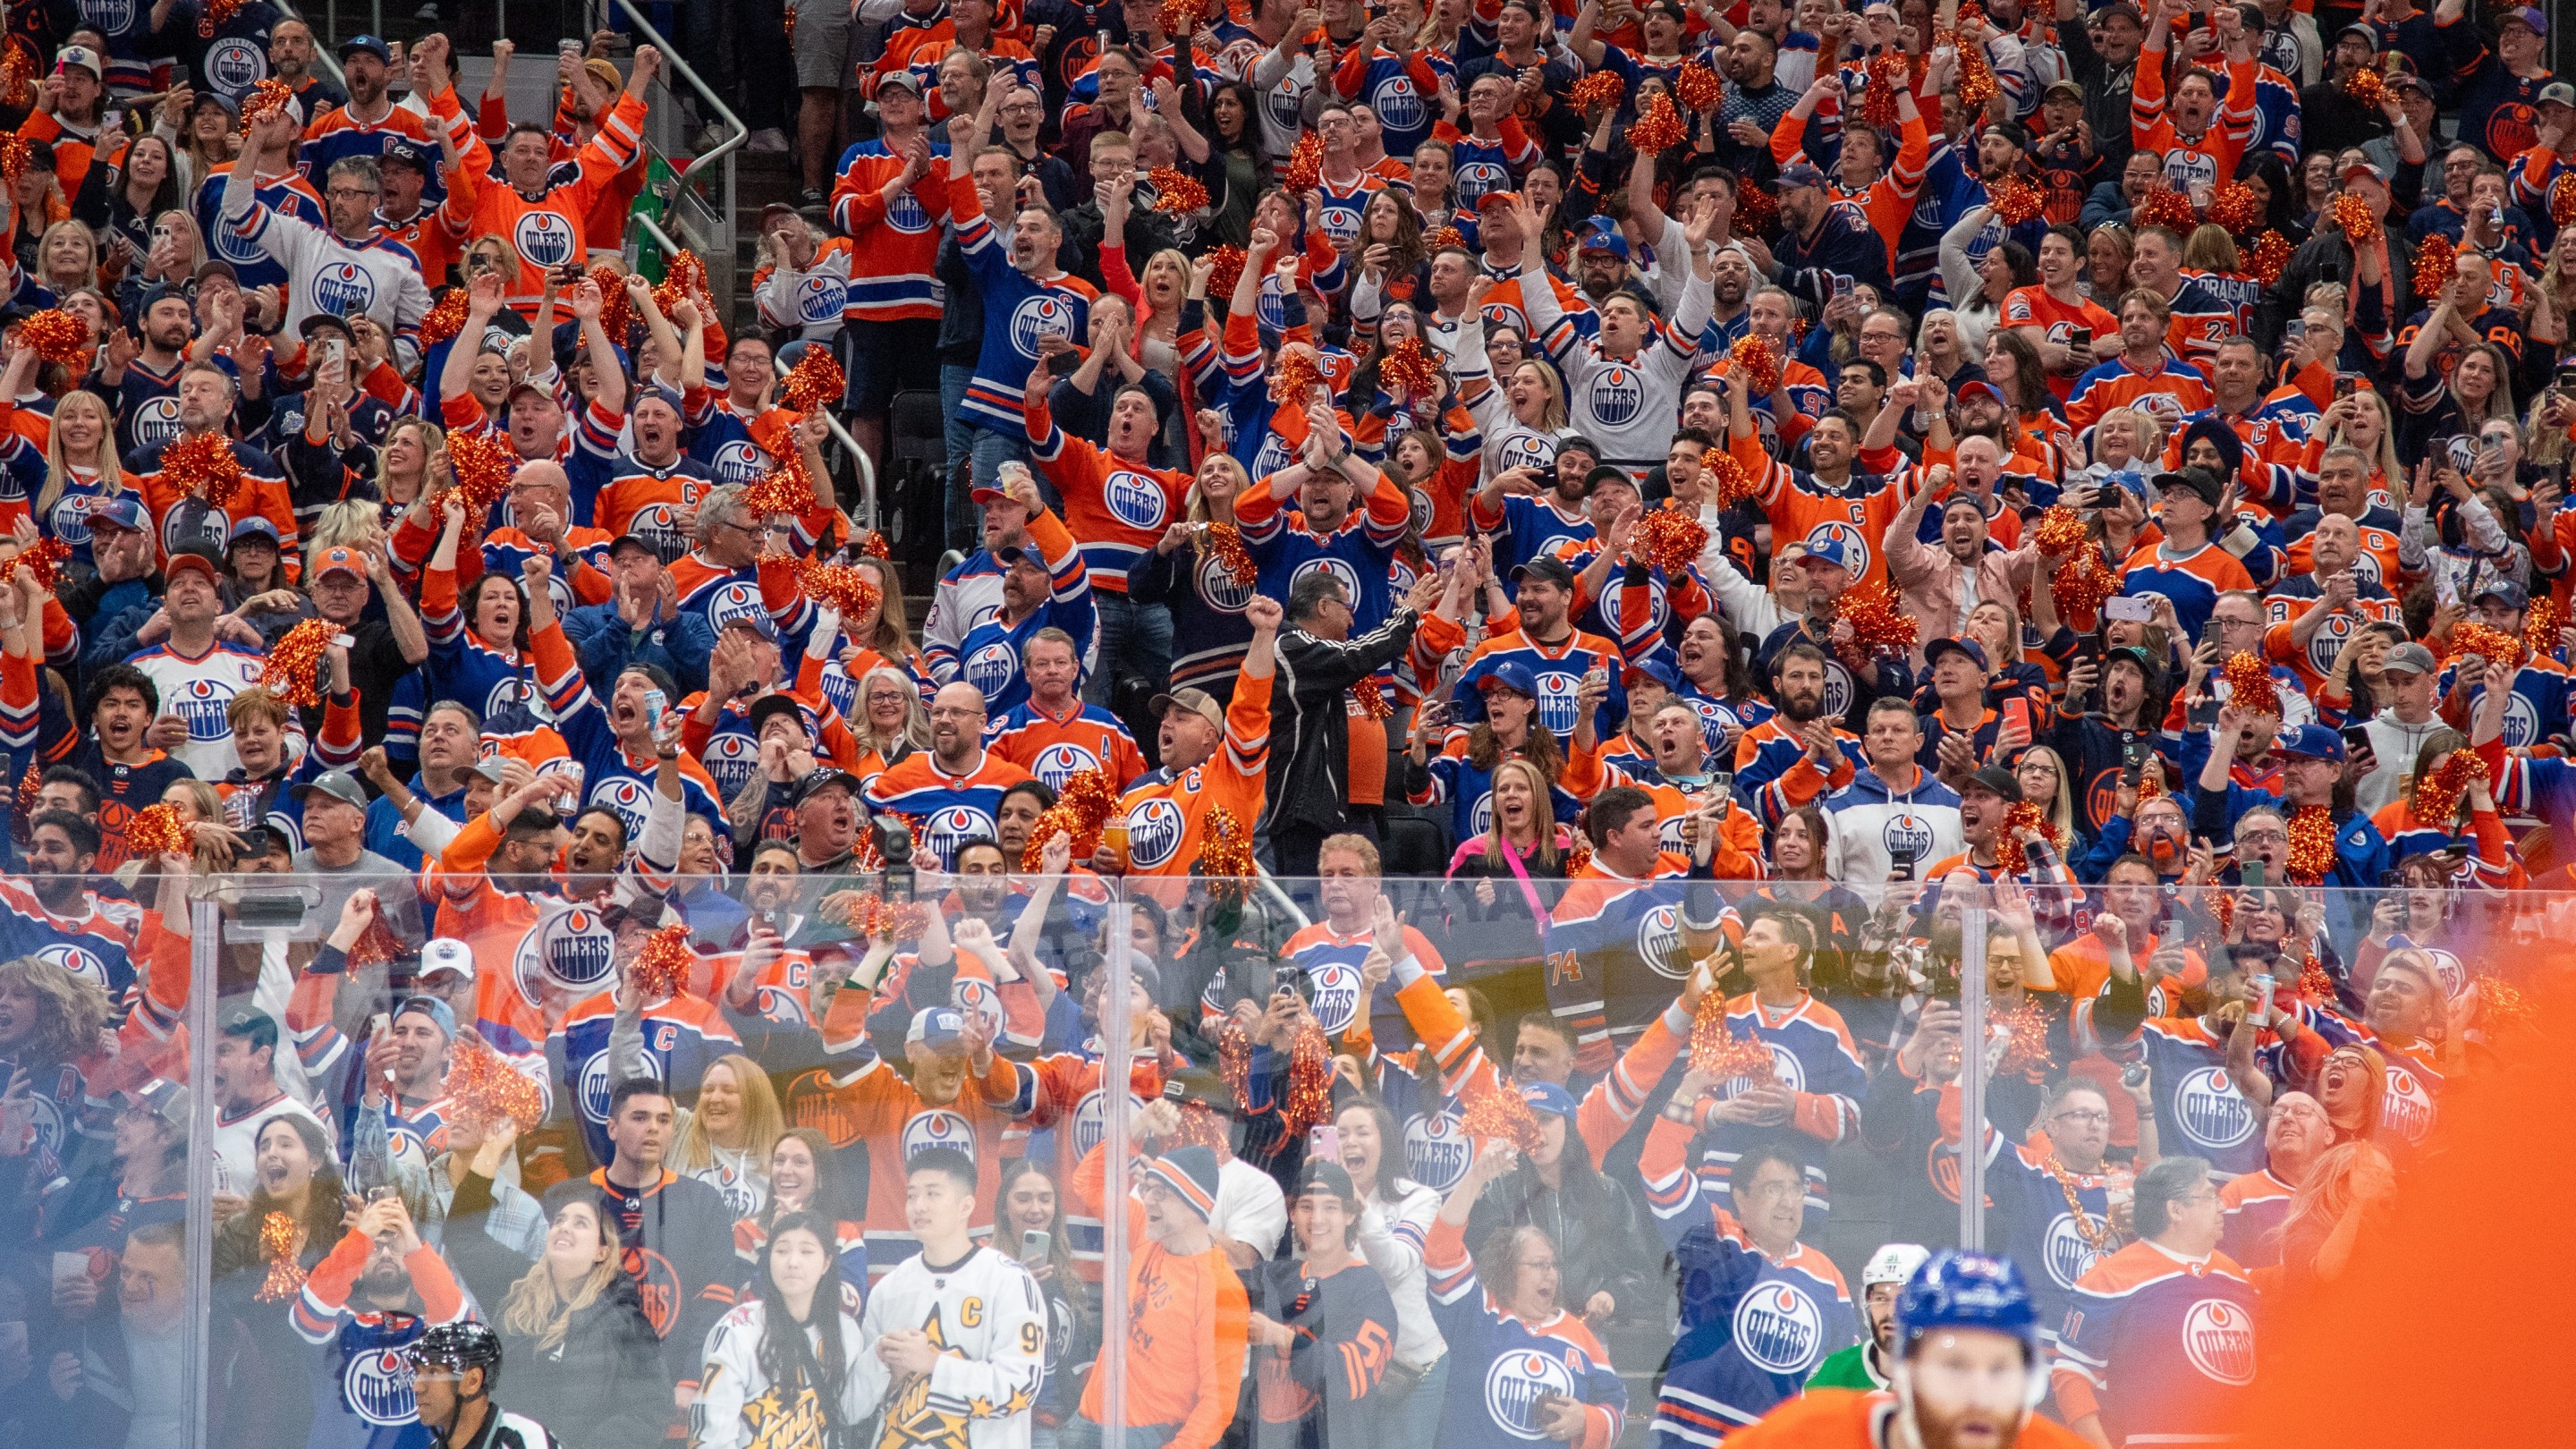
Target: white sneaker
{"x": 767, "y": 141}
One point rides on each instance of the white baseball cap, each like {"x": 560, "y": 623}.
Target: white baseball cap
{"x": 82, "y": 56}
{"x": 1892, "y": 1263}
{"x": 446, "y": 953}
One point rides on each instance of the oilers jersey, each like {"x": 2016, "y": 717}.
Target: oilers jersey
{"x": 2162, "y": 1347}
{"x": 950, "y": 809}
{"x": 362, "y": 1390}
{"x": 1813, "y": 1055}
{"x": 1503, "y": 1366}
{"x": 682, "y": 1037}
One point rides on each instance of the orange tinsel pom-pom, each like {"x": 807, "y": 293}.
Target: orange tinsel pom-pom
{"x": 1578, "y": 856}
{"x": 30, "y": 785}
{"x": 1293, "y": 377}
{"x": 1410, "y": 370}
{"x": 2079, "y": 585}
{"x": 1756, "y": 211}
{"x": 787, "y": 488}
{"x": 280, "y": 1242}
{"x": 616, "y": 310}
{"x": 1733, "y": 484}
{"x": 266, "y": 99}
{"x": 2540, "y": 625}
{"x": 1225, "y": 540}
{"x": 1976, "y": 76}
{"x": 2163, "y": 206}
{"x": 56, "y": 335}
{"x": 2485, "y": 643}
{"x": 684, "y": 278}
{"x": 816, "y": 381}
{"x": 13, "y": 155}
{"x": 157, "y": 830}
{"x": 18, "y": 65}
{"x": 2016, "y": 201}
{"x": 2437, "y": 257}
{"x": 2312, "y": 844}
{"x": 1597, "y": 92}
{"x": 376, "y": 945}
{"x": 2027, "y": 1037}
{"x": 2366, "y": 85}
{"x": 203, "y": 464}
{"x": 2271, "y": 254}
{"x": 1698, "y": 88}
{"x": 1497, "y": 1112}
{"x": 1670, "y": 538}
{"x": 1716, "y": 1050}
{"x": 1184, "y": 17}
{"x": 2316, "y": 984}
{"x": 1176, "y": 191}
{"x": 662, "y": 968}
{"x": 294, "y": 672}
{"x": 1225, "y": 852}
{"x": 2359, "y": 222}
{"x": 483, "y": 1089}
{"x": 2022, "y": 816}
{"x": 1305, "y": 169}
{"x": 2437, "y": 796}
{"x": 1657, "y": 129}
{"x": 1081, "y": 811}
{"x": 482, "y": 464}
{"x": 1234, "y": 1060}
{"x": 45, "y": 559}
{"x": 1757, "y": 362}
{"x": 2562, "y": 199}
{"x": 1889, "y": 73}
{"x": 1444, "y": 239}
{"x": 2234, "y": 208}
{"x": 2249, "y": 684}
{"x": 1225, "y": 268}
{"x": 1878, "y": 618}
{"x": 1310, "y": 1081}
{"x": 446, "y": 318}
{"x": 2060, "y": 531}
{"x": 853, "y": 592}
{"x": 217, "y": 13}
{"x": 1371, "y": 698}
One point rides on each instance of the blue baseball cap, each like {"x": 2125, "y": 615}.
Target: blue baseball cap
{"x": 1654, "y": 669}
{"x": 369, "y": 44}
{"x": 433, "y": 1008}
{"x": 1548, "y": 1097}
{"x": 1601, "y": 234}
{"x": 1510, "y": 674}
{"x": 2503, "y": 590}
{"x": 936, "y": 1026}
{"x": 1933, "y": 651}
{"x": 2314, "y": 741}
{"x": 1829, "y": 549}
{"x": 757, "y": 621}
{"x": 253, "y": 527}
{"x": 122, "y": 511}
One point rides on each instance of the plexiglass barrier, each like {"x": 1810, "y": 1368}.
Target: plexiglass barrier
{"x": 1501, "y": 1158}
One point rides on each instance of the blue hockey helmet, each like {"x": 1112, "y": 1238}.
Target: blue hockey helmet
{"x": 1959, "y": 1289}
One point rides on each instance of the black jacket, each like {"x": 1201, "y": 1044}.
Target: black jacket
{"x": 1310, "y": 745}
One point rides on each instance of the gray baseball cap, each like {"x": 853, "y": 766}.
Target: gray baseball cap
{"x": 338, "y": 784}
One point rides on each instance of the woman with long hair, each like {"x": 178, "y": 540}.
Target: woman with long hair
{"x": 2041, "y": 441}
{"x": 1234, "y": 130}
{"x": 478, "y": 643}
{"x": 2348, "y": 1190}
{"x": 806, "y": 1176}
{"x": 81, "y": 471}
{"x": 1391, "y": 256}
{"x": 1435, "y": 184}
{"x": 1029, "y": 1206}
{"x": 1978, "y": 288}
{"x": 726, "y": 1139}
{"x": 209, "y": 143}
{"x": 1186, "y": 572}
{"x": 1387, "y": 410}
{"x": 2365, "y": 423}
{"x": 892, "y": 721}
{"x": 1464, "y": 771}
{"x": 66, "y": 260}
{"x": 295, "y": 1181}
{"x": 790, "y": 1352}
{"x": 123, "y": 201}
{"x": 2041, "y": 773}
{"x": 878, "y": 638}
{"x": 403, "y": 462}
{"x": 2431, "y": 407}
{"x": 2107, "y": 254}
{"x": 2279, "y": 198}
{"x": 1524, "y": 415}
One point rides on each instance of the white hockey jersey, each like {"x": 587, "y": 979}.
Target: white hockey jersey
{"x": 325, "y": 274}
{"x": 737, "y": 1407}
{"x": 987, "y": 1314}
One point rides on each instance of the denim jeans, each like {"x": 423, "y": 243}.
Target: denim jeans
{"x": 1135, "y": 642}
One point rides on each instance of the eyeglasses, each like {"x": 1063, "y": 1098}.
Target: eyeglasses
{"x": 2262, "y": 837}
{"x": 2085, "y": 1119}
{"x": 352, "y": 191}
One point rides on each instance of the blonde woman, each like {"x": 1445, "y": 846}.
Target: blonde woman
{"x": 1209, "y": 630}
{"x": 892, "y": 721}
{"x": 580, "y": 1347}
{"x": 1522, "y": 417}
{"x": 2364, "y": 422}
{"x": 879, "y": 638}
{"x": 81, "y": 471}
{"x": 66, "y": 258}
{"x": 403, "y": 461}
{"x": 729, "y": 1131}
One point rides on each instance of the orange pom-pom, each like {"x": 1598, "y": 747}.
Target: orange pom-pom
{"x": 294, "y": 672}
{"x": 1081, "y": 811}
{"x": 2022, "y": 816}
{"x": 55, "y": 335}
{"x": 281, "y": 1241}
{"x": 483, "y": 1089}
{"x": 2060, "y": 531}
{"x": 483, "y": 464}
{"x": 1444, "y": 239}
{"x": 217, "y": 13}
{"x": 1716, "y": 1050}
{"x": 1658, "y": 127}
{"x": 2026, "y": 1030}
{"x": 1597, "y": 92}
{"x": 266, "y": 99}
{"x": 44, "y": 558}
{"x": 2540, "y": 625}
{"x": 2366, "y": 85}
{"x": 852, "y": 591}
{"x": 2437, "y": 258}
{"x": 1698, "y": 88}
{"x": 158, "y": 830}
{"x": 1184, "y": 17}
{"x": 1371, "y": 697}
{"x": 2079, "y": 585}
{"x": 1225, "y": 268}
{"x": 1757, "y": 363}
{"x": 2437, "y": 796}
{"x": 1310, "y": 1081}
{"x": 18, "y": 66}
{"x": 2271, "y": 255}
{"x": 816, "y": 381}
{"x": 1670, "y": 538}
{"x": 376, "y": 945}
{"x": 1225, "y": 851}
{"x": 787, "y": 488}
{"x": 203, "y": 464}
{"x": 1756, "y": 211}
{"x": 13, "y": 155}
{"x": 1497, "y": 1112}
{"x": 662, "y": 968}
{"x": 1305, "y": 169}
{"x": 1176, "y": 191}
{"x": 2165, "y": 207}
{"x": 1878, "y": 619}
{"x": 2016, "y": 201}
{"x": 2488, "y": 644}
{"x": 1977, "y": 84}
{"x": 2312, "y": 844}
{"x": 446, "y": 318}
{"x": 2359, "y": 221}
{"x": 2249, "y": 684}
{"x": 1293, "y": 377}
{"x": 31, "y": 784}
{"x": 2562, "y": 199}
{"x": 2234, "y": 208}
{"x": 616, "y": 309}
{"x": 1733, "y": 485}
{"x": 1889, "y": 73}
{"x": 1410, "y": 370}
{"x": 1225, "y": 540}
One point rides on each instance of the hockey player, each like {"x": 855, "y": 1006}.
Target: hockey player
{"x": 1965, "y": 1371}
{"x": 1870, "y": 1365}
{"x": 957, "y": 1332}
{"x": 453, "y": 1369}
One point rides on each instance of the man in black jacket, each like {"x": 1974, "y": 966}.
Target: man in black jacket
{"x": 1313, "y": 710}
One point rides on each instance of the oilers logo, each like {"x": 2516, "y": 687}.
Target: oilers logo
{"x": 46, "y": 1122}
{"x": 1906, "y": 833}
{"x": 658, "y": 524}
{"x": 627, "y": 799}
{"x": 1786, "y": 1069}
{"x": 2329, "y": 639}
{"x": 1058, "y": 763}
{"x": 1505, "y": 314}
{"x": 1658, "y": 613}
{"x": 1154, "y": 831}
{"x": 1135, "y": 500}
{"x": 737, "y": 462}
{"x": 2448, "y": 970}
{"x": 1336, "y": 995}
{"x": 81, "y": 962}
{"x": 234, "y": 65}
{"x": 155, "y": 421}
{"x": 821, "y": 299}
{"x": 2408, "y": 1106}
{"x": 1716, "y": 722}
{"x": 992, "y": 667}
{"x": 1271, "y": 456}
{"x": 2069, "y": 1256}
{"x": 575, "y": 950}
{"x": 1268, "y": 309}
{"x": 1340, "y": 569}
{"x": 742, "y": 1196}
{"x": 1517, "y": 1384}
{"x": 840, "y": 691}
{"x": 2187, "y": 167}
{"x": 376, "y": 1386}
{"x": 1088, "y": 1125}
{"x": 107, "y": 16}
{"x": 2521, "y": 721}
{"x": 2218, "y": 1338}
{"x": 1556, "y": 700}
{"x": 1437, "y": 1150}
{"x": 730, "y": 758}
{"x": 2164, "y": 407}
{"x": 1617, "y": 395}
{"x": 937, "y": 1127}
{"x": 1286, "y": 102}
{"x": 2211, "y": 1111}
{"x": 510, "y": 693}
{"x": 1659, "y": 934}
{"x": 1856, "y": 554}
{"x": 344, "y": 289}
{"x": 1398, "y": 104}
{"x": 70, "y": 519}
{"x": 731, "y": 601}
{"x": 204, "y": 704}
{"x": 597, "y": 1089}
{"x": 1780, "y": 1328}
{"x": 1419, "y": 506}
{"x": 1481, "y": 818}
{"x": 189, "y": 522}
{"x": 546, "y": 239}
{"x": 1839, "y": 692}
{"x": 1477, "y": 178}
{"x": 1038, "y": 317}
{"x": 1341, "y": 222}
{"x": 238, "y": 249}
{"x": 973, "y": 996}
{"x": 1525, "y": 450}
{"x": 906, "y": 213}
{"x": 952, "y": 826}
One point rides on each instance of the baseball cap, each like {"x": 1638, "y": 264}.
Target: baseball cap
{"x": 2364, "y": 171}
{"x": 757, "y": 621}
{"x": 1978, "y": 387}
{"x": 935, "y": 1026}
{"x": 1548, "y": 1097}
{"x": 2363, "y": 33}
{"x": 252, "y": 527}
{"x": 1601, "y": 234}
{"x": 1196, "y": 701}
{"x": 164, "y": 1099}
{"x": 2505, "y": 591}
{"x": 311, "y": 324}
{"x": 819, "y": 780}
{"x": 82, "y": 56}
{"x": 189, "y": 560}
{"x": 1997, "y": 781}
{"x": 340, "y": 785}
{"x": 626, "y": 541}
{"x": 431, "y": 1007}
{"x": 2525, "y": 15}
{"x": 338, "y": 561}
{"x": 2199, "y": 480}
{"x": 122, "y": 511}
{"x": 1800, "y": 174}
{"x": 1546, "y": 566}
{"x": 402, "y": 150}
{"x": 213, "y": 267}
{"x": 1654, "y": 669}
{"x": 2146, "y": 662}
{"x": 1512, "y": 675}
{"x": 370, "y": 45}
{"x": 776, "y": 209}
{"x": 903, "y": 78}
{"x": 1319, "y": 1175}
{"x": 490, "y": 769}
{"x": 1828, "y": 549}
{"x": 2407, "y": 80}
{"x": 770, "y": 706}
{"x": 2313, "y": 741}
{"x": 2412, "y": 658}
{"x": 2066, "y": 88}
{"x": 2558, "y": 93}
{"x": 1497, "y": 198}
{"x": 1975, "y": 651}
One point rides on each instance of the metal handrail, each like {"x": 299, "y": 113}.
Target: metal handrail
{"x": 706, "y": 96}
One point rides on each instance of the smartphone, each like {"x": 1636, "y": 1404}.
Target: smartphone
{"x": 2079, "y": 336}
{"x": 1721, "y": 783}
{"x": 1035, "y": 1244}
{"x": 2293, "y": 330}
{"x": 2017, "y": 712}
{"x": 2133, "y": 760}
{"x": 1902, "y": 862}
{"x": 2345, "y": 385}
{"x": 2355, "y": 738}
{"x": 2209, "y": 631}
{"x": 2203, "y": 714}
{"x": 2134, "y": 1074}
{"x": 1324, "y": 1144}
{"x": 1063, "y": 363}
{"x": 2252, "y": 874}
{"x": 2128, "y": 609}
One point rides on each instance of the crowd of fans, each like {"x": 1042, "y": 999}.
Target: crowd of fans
{"x": 1513, "y": 741}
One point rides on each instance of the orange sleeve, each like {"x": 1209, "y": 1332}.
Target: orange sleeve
{"x": 1225, "y": 1313}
